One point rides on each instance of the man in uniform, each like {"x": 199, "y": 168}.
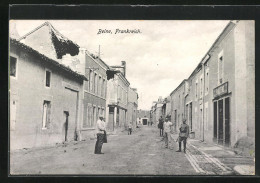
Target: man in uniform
{"x": 160, "y": 126}
{"x": 183, "y": 135}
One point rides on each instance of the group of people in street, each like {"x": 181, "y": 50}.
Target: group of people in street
{"x": 165, "y": 131}
{"x": 165, "y": 128}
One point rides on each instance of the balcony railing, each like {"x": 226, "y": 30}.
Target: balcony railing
{"x": 220, "y": 90}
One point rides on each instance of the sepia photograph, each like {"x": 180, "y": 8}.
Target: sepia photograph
{"x": 132, "y": 97}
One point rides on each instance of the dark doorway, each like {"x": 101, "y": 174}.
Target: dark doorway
{"x": 220, "y": 122}
{"x": 190, "y": 115}
{"x": 66, "y": 124}
{"x": 215, "y": 122}
{"x": 144, "y": 121}
{"x": 117, "y": 118}
{"x": 227, "y": 122}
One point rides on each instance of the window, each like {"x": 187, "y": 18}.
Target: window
{"x": 89, "y": 115}
{"x": 90, "y": 80}
{"x": 179, "y": 101}
{"x": 95, "y": 83}
{"x": 206, "y": 118}
{"x": 207, "y": 82}
{"x": 13, "y": 63}
{"x": 201, "y": 86}
{"x": 85, "y": 121}
{"x": 196, "y": 90}
{"x": 48, "y": 79}
{"x": 220, "y": 67}
{"x": 104, "y": 88}
{"x": 46, "y": 114}
{"x": 100, "y": 86}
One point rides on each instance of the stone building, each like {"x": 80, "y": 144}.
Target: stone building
{"x": 45, "y": 98}
{"x": 143, "y": 117}
{"x": 132, "y": 106}
{"x": 218, "y": 98}
{"x": 95, "y": 89}
{"x": 166, "y": 108}
{"x": 177, "y": 105}
{"x": 117, "y": 92}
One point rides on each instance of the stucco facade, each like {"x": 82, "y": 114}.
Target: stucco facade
{"x": 218, "y": 97}
{"x": 42, "y": 112}
{"x": 95, "y": 89}
{"x": 117, "y": 92}
{"x": 132, "y": 106}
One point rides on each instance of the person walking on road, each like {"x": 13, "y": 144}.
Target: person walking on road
{"x": 160, "y": 126}
{"x": 101, "y": 132}
{"x": 183, "y": 135}
{"x": 130, "y": 129}
{"x": 167, "y": 130}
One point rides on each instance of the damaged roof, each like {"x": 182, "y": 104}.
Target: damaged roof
{"x": 47, "y": 59}
{"x": 62, "y": 45}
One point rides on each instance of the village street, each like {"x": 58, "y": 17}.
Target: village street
{"x": 141, "y": 153}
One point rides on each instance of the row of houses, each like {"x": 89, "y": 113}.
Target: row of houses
{"x": 58, "y": 90}
{"x": 218, "y": 98}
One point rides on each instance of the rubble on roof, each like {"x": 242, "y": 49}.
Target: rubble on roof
{"x": 110, "y": 73}
{"x": 62, "y": 44}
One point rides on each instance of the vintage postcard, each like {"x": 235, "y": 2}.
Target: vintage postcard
{"x": 132, "y": 97}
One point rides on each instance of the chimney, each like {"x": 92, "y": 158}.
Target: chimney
{"x": 12, "y": 30}
{"x": 82, "y": 61}
{"x": 123, "y": 63}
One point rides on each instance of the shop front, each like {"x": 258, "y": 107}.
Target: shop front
{"x": 221, "y": 111}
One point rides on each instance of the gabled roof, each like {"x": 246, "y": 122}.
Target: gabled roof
{"x": 47, "y": 59}
{"x": 61, "y": 44}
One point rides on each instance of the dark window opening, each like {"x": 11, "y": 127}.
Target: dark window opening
{"x": 48, "y": 79}
{"x": 13, "y": 62}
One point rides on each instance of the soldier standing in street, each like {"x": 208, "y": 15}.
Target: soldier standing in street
{"x": 160, "y": 126}
{"x": 183, "y": 135}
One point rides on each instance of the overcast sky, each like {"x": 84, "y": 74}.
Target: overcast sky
{"x": 157, "y": 59}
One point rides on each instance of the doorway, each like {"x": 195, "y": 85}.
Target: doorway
{"x": 221, "y": 131}
{"x": 144, "y": 121}
{"x": 190, "y": 116}
{"x": 66, "y": 125}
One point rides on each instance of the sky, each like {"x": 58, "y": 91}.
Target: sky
{"x": 158, "y": 58}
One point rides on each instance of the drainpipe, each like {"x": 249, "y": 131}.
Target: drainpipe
{"x": 203, "y": 94}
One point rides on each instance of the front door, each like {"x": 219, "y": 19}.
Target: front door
{"x": 221, "y": 133}
{"x": 144, "y": 121}
{"x": 215, "y": 125}
{"x": 227, "y": 122}
{"x": 66, "y": 123}
{"x": 220, "y": 122}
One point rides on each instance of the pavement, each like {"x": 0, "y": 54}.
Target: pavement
{"x": 142, "y": 153}
{"x": 213, "y": 159}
